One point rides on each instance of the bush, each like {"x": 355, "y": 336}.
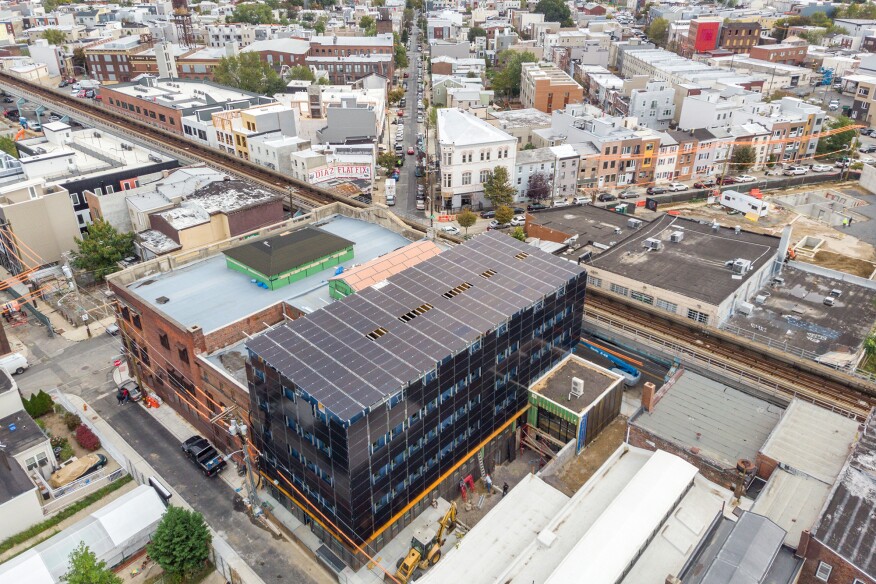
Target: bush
{"x": 72, "y": 421}
{"x": 66, "y": 452}
{"x": 39, "y": 404}
{"x": 57, "y": 441}
{"x": 86, "y": 438}
{"x": 60, "y": 410}
{"x": 42, "y": 425}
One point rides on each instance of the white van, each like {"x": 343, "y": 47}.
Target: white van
{"x": 14, "y": 363}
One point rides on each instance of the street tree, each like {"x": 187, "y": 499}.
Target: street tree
{"x": 507, "y": 80}
{"x": 839, "y": 143}
{"x": 504, "y": 214}
{"x": 301, "y": 72}
{"x": 539, "y": 187}
{"x": 84, "y": 568}
{"x": 658, "y": 31}
{"x": 252, "y": 13}
{"x": 7, "y": 145}
{"x": 518, "y": 233}
{"x": 79, "y": 59}
{"x": 396, "y": 95}
{"x": 319, "y": 27}
{"x": 181, "y": 544}
{"x": 498, "y": 189}
{"x": 742, "y": 159}
{"x": 387, "y": 160}
{"x": 401, "y": 54}
{"x": 475, "y": 32}
{"x": 369, "y": 25}
{"x": 466, "y": 218}
{"x": 249, "y": 73}
{"x": 102, "y": 248}
{"x": 555, "y": 11}
{"x": 55, "y": 37}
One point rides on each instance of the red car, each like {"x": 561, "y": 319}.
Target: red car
{"x": 727, "y": 180}
{"x": 704, "y": 184}
{"x": 410, "y": 150}
{"x": 401, "y": 113}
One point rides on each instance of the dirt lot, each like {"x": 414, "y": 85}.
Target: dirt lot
{"x": 843, "y": 263}
{"x": 579, "y": 470}
{"x": 55, "y": 427}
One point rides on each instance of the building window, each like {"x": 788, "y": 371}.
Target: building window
{"x": 183, "y": 354}
{"x": 162, "y": 337}
{"x": 466, "y": 178}
{"x": 642, "y": 297}
{"x": 485, "y": 176}
{"x": 39, "y": 460}
{"x": 700, "y": 317}
{"x": 823, "y": 572}
{"x": 667, "y": 306}
{"x": 617, "y": 289}
{"x": 135, "y": 319}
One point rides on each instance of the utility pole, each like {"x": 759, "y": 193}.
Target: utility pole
{"x": 238, "y": 429}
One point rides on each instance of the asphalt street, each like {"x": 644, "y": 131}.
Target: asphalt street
{"x": 407, "y": 186}
{"x": 85, "y": 369}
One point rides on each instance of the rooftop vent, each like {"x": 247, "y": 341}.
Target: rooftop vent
{"x": 829, "y": 300}
{"x": 739, "y": 266}
{"x": 488, "y": 274}
{"x": 577, "y": 388}
{"x": 522, "y": 255}
{"x": 676, "y": 236}
{"x": 652, "y": 243}
{"x": 162, "y": 300}
{"x": 634, "y": 223}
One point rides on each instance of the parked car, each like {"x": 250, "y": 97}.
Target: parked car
{"x": 421, "y": 204}
{"x": 746, "y": 178}
{"x": 795, "y": 170}
{"x": 775, "y": 171}
{"x": 14, "y": 363}
{"x": 410, "y": 150}
{"x": 629, "y": 194}
{"x": 704, "y": 184}
{"x": 8, "y": 99}
{"x": 76, "y": 468}
{"x": 867, "y": 148}
{"x": 112, "y": 329}
{"x": 842, "y": 163}
{"x": 833, "y": 105}
{"x": 821, "y": 168}
{"x": 204, "y": 455}
{"x": 518, "y": 220}
{"x": 676, "y": 187}
{"x": 561, "y": 203}
{"x": 494, "y": 224}
{"x": 451, "y": 230}
{"x": 726, "y": 180}
{"x": 134, "y": 393}
{"x": 401, "y": 113}
{"x": 390, "y": 200}
{"x": 63, "y": 83}
{"x": 533, "y": 207}
{"x": 488, "y": 214}
{"x": 605, "y": 197}
{"x": 582, "y": 200}
{"x": 656, "y": 190}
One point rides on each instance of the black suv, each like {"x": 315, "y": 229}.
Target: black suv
{"x": 204, "y": 455}
{"x": 656, "y": 190}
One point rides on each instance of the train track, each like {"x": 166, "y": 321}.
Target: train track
{"x": 299, "y": 194}
{"x": 785, "y": 378}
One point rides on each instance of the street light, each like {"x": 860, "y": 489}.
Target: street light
{"x": 236, "y": 428}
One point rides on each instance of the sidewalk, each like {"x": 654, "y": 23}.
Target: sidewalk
{"x": 142, "y": 469}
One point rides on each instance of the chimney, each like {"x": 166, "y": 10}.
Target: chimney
{"x": 803, "y": 546}
{"x": 648, "y": 392}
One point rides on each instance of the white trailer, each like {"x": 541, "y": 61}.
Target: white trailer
{"x": 744, "y": 203}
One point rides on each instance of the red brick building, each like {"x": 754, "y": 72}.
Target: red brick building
{"x": 702, "y": 37}
{"x": 739, "y": 37}
{"x": 348, "y": 59}
{"x": 782, "y": 53}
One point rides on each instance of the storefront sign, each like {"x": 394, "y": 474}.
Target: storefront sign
{"x": 339, "y": 171}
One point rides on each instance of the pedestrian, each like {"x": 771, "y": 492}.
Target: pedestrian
{"x": 845, "y": 223}
{"x": 120, "y": 397}
{"x": 850, "y": 221}
{"x": 488, "y": 481}
{"x": 126, "y": 395}
{"x": 505, "y": 488}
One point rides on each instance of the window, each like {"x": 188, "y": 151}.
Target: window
{"x": 183, "y": 354}
{"x": 642, "y": 297}
{"x": 617, "y": 289}
{"x": 135, "y": 319}
{"x": 697, "y": 316}
{"x": 823, "y": 572}
{"x": 485, "y": 176}
{"x": 162, "y": 337}
{"x": 667, "y": 306}
{"x": 39, "y": 460}
{"x": 466, "y": 178}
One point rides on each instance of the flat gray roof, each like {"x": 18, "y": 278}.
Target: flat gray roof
{"x": 590, "y": 223}
{"x": 724, "y": 423}
{"x": 13, "y": 481}
{"x": 694, "y": 267}
{"x": 25, "y": 435}
{"x": 359, "y": 351}
{"x": 557, "y": 383}
{"x": 795, "y": 314}
{"x": 209, "y": 294}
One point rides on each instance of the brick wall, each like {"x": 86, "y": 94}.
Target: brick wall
{"x": 255, "y": 217}
{"x": 142, "y": 110}
{"x": 711, "y": 470}
{"x": 765, "y": 465}
{"x": 442, "y": 68}
{"x": 159, "y": 223}
{"x": 842, "y": 572}
{"x": 533, "y": 229}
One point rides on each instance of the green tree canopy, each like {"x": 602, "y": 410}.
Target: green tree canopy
{"x": 466, "y": 218}
{"x": 301, "y": 72}
{"x": 856, "y": 10}
{"x": 7, "y": 145}
{"x": 498, "y": 189}
{"x": 84, "y": 568}
{"x": 369, "y": 25}
{"x": 504, "y": 214}
{"x": 55, "y": 37}
{"x": 475, "y": 32}
{"x": 401, "y": 54}
{"x": 249, "y": 73}
{"x": 319, "y": 27}
{"x": 658, "y": 31}
{"x": 52, "y": 5}
{"x": 555, "y": 11}
{"x": 839, "y": 142}
{"x": 395, "y": 95}
{"x": 100, "y": 250}
{"x": 507, "y": 80}
{"x": 252, "y": 13}
{"x": 742, "y": 159}
{"x": 387, "y": 160}
{"x": 181, "y": 544}
{"x": 518, "y": 233}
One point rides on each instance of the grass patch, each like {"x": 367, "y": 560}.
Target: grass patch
{"x": 73, "y": 509}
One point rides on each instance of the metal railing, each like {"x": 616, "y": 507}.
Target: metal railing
{"x": 688, "y": 356}
{"x": 69, "y": 494}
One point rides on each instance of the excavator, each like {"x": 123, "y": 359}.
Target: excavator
{"x": 425, "y": 549}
